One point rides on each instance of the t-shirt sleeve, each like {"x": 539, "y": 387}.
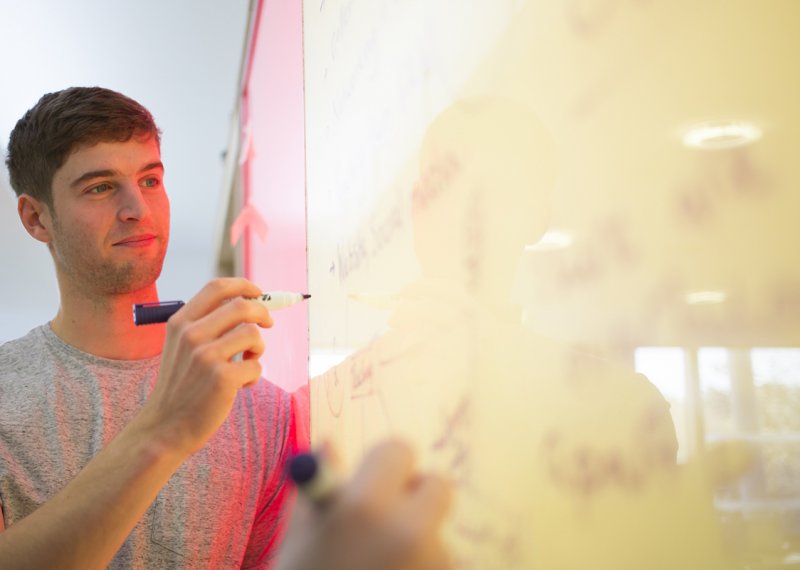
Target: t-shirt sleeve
{"x": 278, "y": 494}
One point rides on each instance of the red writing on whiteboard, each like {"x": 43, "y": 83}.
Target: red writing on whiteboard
{"x": 608, "y": 246}
{"x": 452, "y": 443}
{"x": 585, "y": 468}
{"x": 434, "y": 180}
{"x": 701, "y": 197}
{"x": 362, "y": 373}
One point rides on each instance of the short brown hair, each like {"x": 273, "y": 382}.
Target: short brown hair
{"x": 63, "y": 121}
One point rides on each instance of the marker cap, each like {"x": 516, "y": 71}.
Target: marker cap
{"x": 149, "y": 313}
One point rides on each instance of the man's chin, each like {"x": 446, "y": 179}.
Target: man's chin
{"x": 127, "y": 282}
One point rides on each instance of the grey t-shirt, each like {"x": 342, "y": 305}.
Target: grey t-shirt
{"x": 224, "y": 507}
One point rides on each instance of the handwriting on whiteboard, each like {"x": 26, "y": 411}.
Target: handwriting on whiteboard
{"x": 607, "y": 248}
{"x": 585, "y": 467}
{"x": 453, "y": 442}
{"x": 736, "y": 177}
{"x": 384, "y": 226}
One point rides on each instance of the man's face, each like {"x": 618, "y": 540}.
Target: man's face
{"x": 110, "y": 217}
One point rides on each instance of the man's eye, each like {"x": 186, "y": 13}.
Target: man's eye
{"x": 150, "y": 182}
{"x": 100, "y": 188}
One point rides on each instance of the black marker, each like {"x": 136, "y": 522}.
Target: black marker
{"x": 314, "y": 479}
{"x": 150, "y": 313}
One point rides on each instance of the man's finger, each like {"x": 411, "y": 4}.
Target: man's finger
{"x": 232, "y": 314}
{"x": 245, "y": 338}
{"x": 384, "y": 474}
{"x": 427, "y": 504}
{"x": 242, "y": 373}
{"x": 214, "y": 293}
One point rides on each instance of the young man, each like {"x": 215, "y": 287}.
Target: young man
{"x": 136, "y": 446}
{"x": 128, "y": 446}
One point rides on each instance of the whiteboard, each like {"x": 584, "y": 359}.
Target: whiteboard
{"x": 508, "y": 212}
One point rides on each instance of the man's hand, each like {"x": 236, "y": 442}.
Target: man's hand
{"x": 386, "y": 518}
{"x": 84, "y": 524}
{"x": 199, "y": 377}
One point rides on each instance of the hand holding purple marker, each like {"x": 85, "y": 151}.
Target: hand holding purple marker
{"x": 314, "y": 478}
{"x": 151, "y": 313}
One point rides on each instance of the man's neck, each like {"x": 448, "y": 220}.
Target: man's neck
{"x": 104, "y": 326}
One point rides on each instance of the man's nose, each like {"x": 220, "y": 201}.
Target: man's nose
{"x": 133, "y": 205}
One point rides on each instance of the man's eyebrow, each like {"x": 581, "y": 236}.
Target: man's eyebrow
{"x": 107, "y": 173}
{"x": 90, "y": 175}
{"x": 153, "y": 165}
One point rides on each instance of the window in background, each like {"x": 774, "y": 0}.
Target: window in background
{"x": 723, "y": 393}
{"x": 665, "y": 367}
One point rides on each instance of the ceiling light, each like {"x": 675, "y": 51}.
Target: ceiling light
{"x": 705, "y": 297}
{"x": 721, "y": 135}
{"x": 554, "y": 239}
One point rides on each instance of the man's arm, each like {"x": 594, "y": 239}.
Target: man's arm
{"x": 84, "y": 524}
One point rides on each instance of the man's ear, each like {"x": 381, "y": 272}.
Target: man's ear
{"x": 36, "y": 217}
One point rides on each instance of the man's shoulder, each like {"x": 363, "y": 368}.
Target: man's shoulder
{"x": 264, "y": 394}
{"x": 22, "y": 346}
